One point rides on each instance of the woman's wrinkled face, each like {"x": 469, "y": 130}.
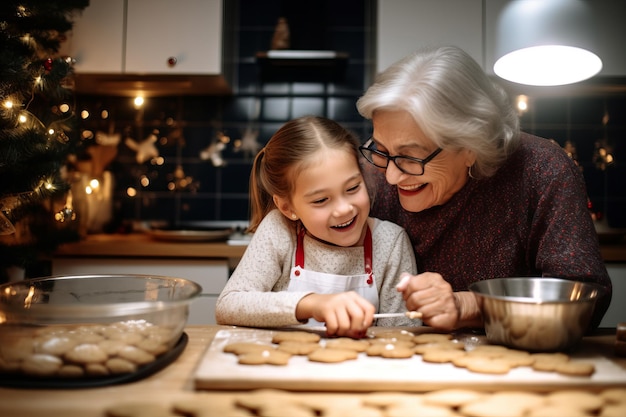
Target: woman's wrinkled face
{"x": 396, "y": 133}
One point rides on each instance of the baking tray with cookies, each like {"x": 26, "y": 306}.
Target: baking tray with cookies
{"x": 391, "y": 359}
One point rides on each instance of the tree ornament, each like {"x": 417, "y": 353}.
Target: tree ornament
{"x": 47, "y": 64}
{"x": 67, "y": 213}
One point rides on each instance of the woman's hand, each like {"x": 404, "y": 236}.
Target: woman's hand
{"x": 441, "y": 308}
{"x": 345, "y": 314}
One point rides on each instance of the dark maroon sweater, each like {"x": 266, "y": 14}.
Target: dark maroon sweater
{"x": 529, "y": 219}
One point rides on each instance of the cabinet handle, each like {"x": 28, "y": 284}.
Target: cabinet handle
{"x": 171, "y": 61}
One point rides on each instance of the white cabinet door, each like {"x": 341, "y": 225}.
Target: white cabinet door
{"x": 141, "y": 36}
{"x": 210, "y": 274}
{"x": 97, "y": 38}
{"x": 189, "y": 31}
{"x": 406, "y": 25}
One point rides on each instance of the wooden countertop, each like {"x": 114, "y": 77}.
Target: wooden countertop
{"x": 140, "y": 245}
{"x": 172, "y": 383}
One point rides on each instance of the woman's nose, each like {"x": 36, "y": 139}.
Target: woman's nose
{"x": 393, "y": 173}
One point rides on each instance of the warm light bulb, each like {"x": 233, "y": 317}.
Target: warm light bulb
{"x": 522, "y": 103}
{"x": 94, "y": 183}
{"x": 138, "y": 102}
{"x": 8, "y": 104}
{"x": 553, "y": 65}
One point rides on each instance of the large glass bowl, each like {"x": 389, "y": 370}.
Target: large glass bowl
{"x": 90, "y": 325}
{"x": 536, "y": 313}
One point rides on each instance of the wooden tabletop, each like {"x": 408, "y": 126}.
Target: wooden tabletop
{"x": 173, "y": 382}
{"x": 141, "y": 245}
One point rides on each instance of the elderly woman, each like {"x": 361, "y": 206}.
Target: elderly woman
{"x": 478, "y": 198}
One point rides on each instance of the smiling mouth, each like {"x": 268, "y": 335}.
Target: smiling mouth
{"x": 344, "y": 225}
{"x": 412, "y": 188}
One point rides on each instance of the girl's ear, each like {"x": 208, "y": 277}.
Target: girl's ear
{"x": 284, "y": 206}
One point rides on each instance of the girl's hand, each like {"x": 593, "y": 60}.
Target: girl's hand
{"x": 432, "y": 296}
{"x": 345, "y": 314}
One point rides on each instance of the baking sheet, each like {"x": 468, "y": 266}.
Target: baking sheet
{"x": 219, "y": 370}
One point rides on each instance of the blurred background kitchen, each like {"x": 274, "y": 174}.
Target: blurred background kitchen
{"x": 174, "y": 99}
{"x": 185, "y": 153}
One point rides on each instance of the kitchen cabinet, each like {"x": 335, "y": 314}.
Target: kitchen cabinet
{"x": 404, "y": 26}
{"x": 210, "y": 274}
{"x": 148, "y": 37}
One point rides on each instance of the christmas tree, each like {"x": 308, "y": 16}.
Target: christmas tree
{"x": 36, "y": 136}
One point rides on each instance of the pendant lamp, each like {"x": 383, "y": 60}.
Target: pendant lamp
{"x": 545, "y": 42}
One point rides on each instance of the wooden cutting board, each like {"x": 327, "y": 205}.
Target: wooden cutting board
{"x": 219, "y": 370}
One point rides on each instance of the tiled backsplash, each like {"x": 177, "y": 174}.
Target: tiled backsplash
{"x": 187, "y": 129}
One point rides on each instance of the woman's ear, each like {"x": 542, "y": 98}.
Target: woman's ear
{"x": 470, "y": 157}
{"x": 284, "y": 206}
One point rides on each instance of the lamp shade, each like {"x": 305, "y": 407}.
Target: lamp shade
{"x": 545, "y": 42}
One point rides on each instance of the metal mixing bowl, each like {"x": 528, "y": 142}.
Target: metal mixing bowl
{"x": 54, "y": 323}
{"x": 536, "y": 314}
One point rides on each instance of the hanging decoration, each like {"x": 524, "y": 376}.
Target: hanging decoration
{"x": 146, "y": 150}
{"x": 213, "y": 152}
{"x": 248, "y": 143}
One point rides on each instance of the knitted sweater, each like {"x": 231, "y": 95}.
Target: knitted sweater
{"x": 529, "y": 219}
{"x": 256, "y": 294}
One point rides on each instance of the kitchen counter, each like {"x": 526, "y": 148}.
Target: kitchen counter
{"x": 174, "y": 382}
{"x": 142, "y": 245}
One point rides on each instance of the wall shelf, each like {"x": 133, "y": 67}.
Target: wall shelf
{"x": 302, "y": 65}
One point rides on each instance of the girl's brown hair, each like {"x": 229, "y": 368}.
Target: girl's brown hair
{"x": 286, "y": 154}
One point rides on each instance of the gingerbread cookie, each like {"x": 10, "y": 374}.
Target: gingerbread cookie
{"x": 575, "y": 368}
{"x": 298, "y": 348}
{"x": 442, "y": 356}
{"x": 330, "y": 355}
{"x": 266, "y": 357}
{"x": 348, "y": 343}
{"x": 432, "y": 338}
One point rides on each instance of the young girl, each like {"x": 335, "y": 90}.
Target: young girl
{"x": 315, "y": 254}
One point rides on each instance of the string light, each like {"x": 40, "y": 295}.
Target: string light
{"x": 138, "y": 102}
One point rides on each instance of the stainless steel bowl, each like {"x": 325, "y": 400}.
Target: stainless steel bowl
{"x": 536, "y": 314}
{"x": 47, "y": 323}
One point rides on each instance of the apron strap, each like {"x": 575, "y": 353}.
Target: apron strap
{"x": 367, "y": 252}
{"x": 300, "y": 248}
{"x": 367, "y": 255}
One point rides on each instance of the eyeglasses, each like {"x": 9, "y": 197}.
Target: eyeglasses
{"x": 406, "y": 164}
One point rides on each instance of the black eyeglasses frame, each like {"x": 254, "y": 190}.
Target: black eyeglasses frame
{"x": 366, "y": 151}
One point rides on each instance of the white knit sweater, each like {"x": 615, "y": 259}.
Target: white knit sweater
{"x": 256, "y": 294}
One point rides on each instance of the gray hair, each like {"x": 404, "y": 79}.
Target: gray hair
{"x": 453, "y": 101}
